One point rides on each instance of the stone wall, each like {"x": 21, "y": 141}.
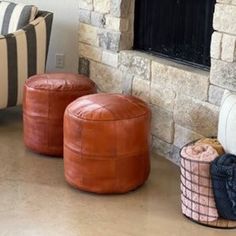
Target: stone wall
{"x": 223, "y": 51}
{"x": 184, "y": 100}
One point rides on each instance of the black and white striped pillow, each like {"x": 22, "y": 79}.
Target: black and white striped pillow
{"x": 15, "y": 16}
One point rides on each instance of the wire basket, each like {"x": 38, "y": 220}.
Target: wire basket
{"x": 197, "y": 197}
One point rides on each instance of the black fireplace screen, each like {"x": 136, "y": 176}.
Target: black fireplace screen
{"x": 179, "y": 29}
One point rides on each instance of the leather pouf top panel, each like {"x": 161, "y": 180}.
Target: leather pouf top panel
{"x": 108, "y": 107}
{"x": 60, "y": 82}
{"x": 107, "y": 143}
{"x": 46, "y": 97}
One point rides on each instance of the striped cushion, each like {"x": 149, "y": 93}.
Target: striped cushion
{"x": 15, "y": 16}
{"x": 23, "y": 54}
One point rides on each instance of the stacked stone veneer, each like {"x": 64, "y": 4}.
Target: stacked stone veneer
{"x": 184, "y": 100}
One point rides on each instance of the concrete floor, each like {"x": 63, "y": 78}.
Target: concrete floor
{"x": 35, "y": 199}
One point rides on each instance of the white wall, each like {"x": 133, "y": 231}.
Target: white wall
{"x": 64, "y": 38}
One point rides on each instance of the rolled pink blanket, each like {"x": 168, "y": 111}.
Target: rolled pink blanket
{"x": 197, "y": 196}
{"x": 199, "y": 152}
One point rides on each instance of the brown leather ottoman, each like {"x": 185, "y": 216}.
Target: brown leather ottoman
{"x": 45, "y": 100}
{"x": 106, "y": 143}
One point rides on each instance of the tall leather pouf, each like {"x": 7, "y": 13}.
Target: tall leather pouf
{"x": 45, "y": 100}
{"x": 106, "y": 143}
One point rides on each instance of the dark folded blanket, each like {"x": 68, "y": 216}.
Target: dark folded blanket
{"x": 223, "y": 173}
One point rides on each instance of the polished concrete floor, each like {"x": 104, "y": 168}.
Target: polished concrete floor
{"x": 35, "y": 199}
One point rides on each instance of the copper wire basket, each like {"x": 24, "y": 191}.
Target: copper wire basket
{"x": 197, "y": 197}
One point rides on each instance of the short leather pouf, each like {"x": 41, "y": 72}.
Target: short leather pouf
{"x": 106, "y": 143}
{"x": 45, "y": 100}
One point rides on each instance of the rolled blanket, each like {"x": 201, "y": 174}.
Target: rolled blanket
{"x": 199, "y": 152}
{"x": 197, "y": 196}
{"x": 214, "y": 143}
{"x": 223, "y": 172}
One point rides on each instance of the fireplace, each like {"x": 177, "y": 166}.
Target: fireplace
{"x": 179, "y": 29}
{"x": 185, "y": 100}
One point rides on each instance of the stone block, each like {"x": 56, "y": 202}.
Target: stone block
{"x": 228, "y": 48}
{"x": 224, "y": 1}
{"x": 84, "y": 66}
{"x": 108, "y": 79}
{"x": 215, "y": 95}
{"x": 223, "y": 74}
{"x": 110, "y": 58}
{"x": 161, "y": 148}
{"x": 113, "y": 23}
{"x": 86, "y": 4}
{"x": 84, "y": 16}
{"x": 162, "y": 124}
{"x": 98, "y": 19}
{"x": 120, "y": 8}
{"x": 90, "y": 52}
{"x": 109, "y": 40}
{"x": 184, "y": 136}
{"x": 166, "y": 150}
{"x": 224, "y": 18}
{"x": 88, "y": 34}
{"x": 135, "y": 63}
{"x": 102, "y": 6}
{"x": 201, "y": 117}
{"x": 175, "y": 155}
{"x": 127, "y": 83}
{"x": 141, "y": 89}
{"x": 117, "y": 24}
{"x": 162, "y": 96}
{"x": 180, "y": 79}
{"x": 216, "y": 45}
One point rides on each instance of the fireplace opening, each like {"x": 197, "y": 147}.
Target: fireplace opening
{"x": 178, "y": 29}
